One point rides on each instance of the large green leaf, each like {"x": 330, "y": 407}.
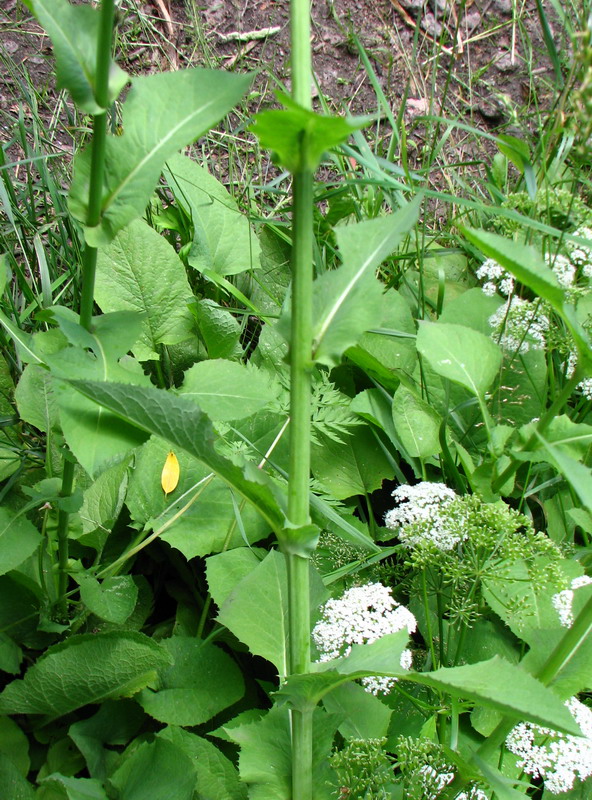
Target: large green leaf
{"x": 362, "y": 715}
{"x": 115, "y": 723}
{"x": 96, "y": 437}
{"x": 113, "y": 599}
{"x": 101, "y": 504}
{"x": 182, "y": 423}
{"x": 216, "y": 520}
{"x": 217, "y": 777}
{"x": 140, "y": 271}
{"x": 202, "y": 681}
{"x": 161, "y": 114}
{"x": 460, "y": 354}
{"x": 416, "y": 423}
{"x": 349, "y": 300}
{"x": 356, "y": 465}
{"x": 14, "y": 785}
{"x": 226, "y": 390}
{"x": 35, "y": 398}
{"x": 73, "y": 30}
{"x": 265, "y": 589}
{"x": 219, "y": 330}
{"x": 223, "y": 240}
{"x": 14, "y": 744}
{"x": 85, "y": 669}
{"x": 18, "y": 539}
{"x": 157, "y": 770}
{"x": 64, "y": 787}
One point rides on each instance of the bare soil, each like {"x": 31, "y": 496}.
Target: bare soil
{"x": 489, "y": 69}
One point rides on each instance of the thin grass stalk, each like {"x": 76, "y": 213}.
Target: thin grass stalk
{"x": 300, "y": 404}
{"x": 89, "y": 257}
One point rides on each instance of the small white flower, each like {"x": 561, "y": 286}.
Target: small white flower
{"x": 519, "y": 326}
{"x": 423, "y": 503}
{"x": 584, "y": 386}
{"x": 581, "y": 254}
{"x": 556, "y": 757}
{"x": 563, "y": 601}
{"x": 362, "y": 615}
{"x": 496, "y": 278}
{"x": 564, "y": 269}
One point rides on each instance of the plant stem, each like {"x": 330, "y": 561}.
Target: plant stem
{"x": 89, "y": 262}
{"x": 300, "y": 386}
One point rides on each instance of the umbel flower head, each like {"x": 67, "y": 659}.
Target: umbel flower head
{"x": 362, "y": 615}
{"x": 563, "y": 601}
{"x": 559, "y": 759}
{"x": 423, "y": 504}
{"x": 519, "y": 326}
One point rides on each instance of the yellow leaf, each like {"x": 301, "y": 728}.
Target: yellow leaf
{"x": 170, "y": 474}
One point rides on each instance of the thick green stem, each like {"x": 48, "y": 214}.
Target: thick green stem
{"x": 300, "y": 387}
{"x": 90, "y": 253}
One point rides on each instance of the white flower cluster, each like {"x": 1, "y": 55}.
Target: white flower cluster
{"x": 563, "y": 601}
{"x": 556, "y": 757}
{"x": 519, "y": 326}
{"x": 434, "y": 782}
{"x": 581, "y": 254}
{"x": 497, "y": 279}
{"x": 564, "y": 269}
{"x": 362, "y": 615}
{"x": 584, "y": 386}
{"x": 422, "y": 503}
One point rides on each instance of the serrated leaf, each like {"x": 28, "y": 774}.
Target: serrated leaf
{"x": 113, "y": 599}
{"x": 460, "y": 354}
{"x": 161, "y": 114}
{"x": 18, "y": 539}
{"x": 157, "y": 770}
{"x": 85, "y": 669}
{"x": 348, "y": 300}
{"x": 182, "y": 423}
{"x": 73, "y": 788}
{"x": 201, "y": 682}
{"x": 140, "y": 271}
{"x": 35, "y": 398}
{"x": 299, "y": 137}
{"x": 223, "y": 240}
{"x": 226, "y": 390}
{"x": 217, "y": 777}
{"x": 73, "y": 30}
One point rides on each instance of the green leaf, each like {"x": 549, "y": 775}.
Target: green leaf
{"x": 577, "y": 474}
{"x": 357, "y": 465}
{"x": 115, "y": 723}
{"x": 35, "y": 398}
{"x": 226, "y": 570}
{"x": 70, "y": 788}
{"x": 202, "y": 681}
{"x": 96, "y": 437}
{"x": 14, "y": 745}
{"x": 299, "y": 137}
{"x": 223, "y": 240}
{"x": 85, "y": 669}
{"x": 416, "y": 423}
{"x": 73, "y": 30}
{"x": 265, "y": 588}
{"x": 113, "y": 599}
{"x": 157, "y": 770}
{"x": 217, "y": 777}
{"x": 14, "y": 785}
{"x": 18, "y": 539}
{"x": 140, "y": 271}
{"x": 183, "y": 424}
{"x": 101, "y": 504}
{"x": 162, "y": 113}
{"x": 214, "y": 520}
{"x": 11, "y": 655}
{"x": 460, "y": 354}
{"x": 504, "y": 687}
{"x": 226, "y": 390}
{"x": 474, "y": 308}
{"x": 363, "y": 715}
{"x": 219, "y": 330}
{"x": 523, "y": 261}
{"x": 348, "y": 300}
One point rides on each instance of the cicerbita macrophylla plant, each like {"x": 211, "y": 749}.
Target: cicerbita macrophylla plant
{"x": 362, "y": 615}
{"x": 559, "y": 759}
